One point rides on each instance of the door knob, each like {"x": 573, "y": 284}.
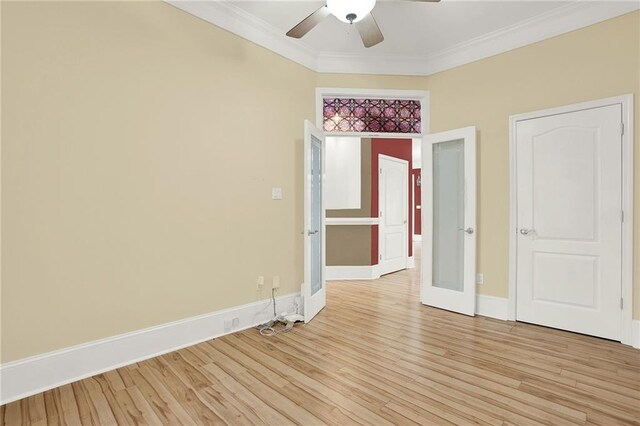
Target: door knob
{"x": 468, "y": 230}
{"x": 525, "y": 231}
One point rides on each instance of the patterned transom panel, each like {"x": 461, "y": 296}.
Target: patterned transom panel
{"x": 371, "y": 115}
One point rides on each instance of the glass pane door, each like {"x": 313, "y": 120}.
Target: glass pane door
{"x": 316, "y": 219}
{"x": 314, "y": 290}
{"x": 448, "y": 215}
{"x": 449, "y": 220}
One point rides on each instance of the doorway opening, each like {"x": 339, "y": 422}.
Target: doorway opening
{"x": 369, "y": 205}
{"x": 382, "y": 117}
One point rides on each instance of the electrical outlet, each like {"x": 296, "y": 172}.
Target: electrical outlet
{"x": 479, "y": 278}
{"x": 276, "y": 193}
{"x": 235, "y": 322}
{"x": 227, "y": 325}
{"x": 260, "y": 283}
{"x": 276, "y": 282}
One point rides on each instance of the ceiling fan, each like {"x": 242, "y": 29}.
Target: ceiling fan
{"x": 351, "y": 12}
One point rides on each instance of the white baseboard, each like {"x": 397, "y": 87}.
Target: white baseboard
{"x": 366, "y": 272}
{"x": 492, "y": 306}
{"x": 635, "y": 334}
{"x": 417, "y": 237}
{"x": 25, "y": 377}
{"x": 411, "y": 262}
{"x": 497, "y": 307}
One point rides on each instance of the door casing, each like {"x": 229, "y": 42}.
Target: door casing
{"x": 626, "y": 101}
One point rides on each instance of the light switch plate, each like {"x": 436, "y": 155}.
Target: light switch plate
{"x": 479, "y": 278}
{"x": 276, "y": 193}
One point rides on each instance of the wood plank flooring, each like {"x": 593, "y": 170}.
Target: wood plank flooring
{"x": 373, "y": 356}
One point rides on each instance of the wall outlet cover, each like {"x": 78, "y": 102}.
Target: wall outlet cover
{"x": 276, "y": 193}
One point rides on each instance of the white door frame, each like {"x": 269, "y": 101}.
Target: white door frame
{"x": 626, "y": 101}
{"x": 405, "y": 249}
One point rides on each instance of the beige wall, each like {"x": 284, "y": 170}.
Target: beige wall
{"x": 139, "y": 147}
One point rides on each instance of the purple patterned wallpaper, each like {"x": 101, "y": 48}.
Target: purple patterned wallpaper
{"x": 371, "y": 115}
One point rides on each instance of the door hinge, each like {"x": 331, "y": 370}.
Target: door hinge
{"x": 622, "y": 128}
{"x": 622, "y": 216}
{"x": 380, "y": 170}
{"x": 380, "y": 213}
{"x": 621, "y": 303}
{"x": 380, "y": 257}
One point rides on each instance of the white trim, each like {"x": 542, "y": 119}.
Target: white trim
{"x": 366, "y": 272}
{"x": 573, "y": 16}
{"x": 411, "y": 262}
{"x": 352, "y": 220}
{"x": 626, "y": 101}
{"x": 421, "y": 95}
{"x": 492, "y": 306}
{"x": 635, "y": 334}
{"x": 36, "y": 374}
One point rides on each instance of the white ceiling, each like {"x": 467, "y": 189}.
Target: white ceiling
{"x": 409, "y": 28}
{"x": 420, "y": 38}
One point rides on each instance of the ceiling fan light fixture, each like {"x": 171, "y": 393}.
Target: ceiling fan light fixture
{"x": 342, "y": 9}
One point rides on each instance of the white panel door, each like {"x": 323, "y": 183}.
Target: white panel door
{"x": 393, "y": 230}
{"x": 314, "y": 291}
{"x": 449, "y": 220}
{"x": 569, "y": 241}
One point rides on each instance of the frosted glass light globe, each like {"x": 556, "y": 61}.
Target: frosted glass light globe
{"x": 342, "y": 8}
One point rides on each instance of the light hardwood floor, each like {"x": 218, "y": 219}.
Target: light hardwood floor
{"x": 373, "y": 356}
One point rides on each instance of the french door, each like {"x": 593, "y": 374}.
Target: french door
{"x": 314, "y": 291}
{"x": 449, "y": 220}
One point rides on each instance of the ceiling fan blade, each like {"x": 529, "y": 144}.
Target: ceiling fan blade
{"x": 369, "y": 31}
{"x": 308, "y": 23}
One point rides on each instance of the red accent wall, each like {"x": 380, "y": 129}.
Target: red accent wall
{"x": 398, "y": 148}
{"x": 417, "y": 221}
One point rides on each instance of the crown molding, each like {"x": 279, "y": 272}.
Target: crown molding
{"x": 573, "y": 16}
{"x": 235, "y": 20}
{"x": 562, "y": 20}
